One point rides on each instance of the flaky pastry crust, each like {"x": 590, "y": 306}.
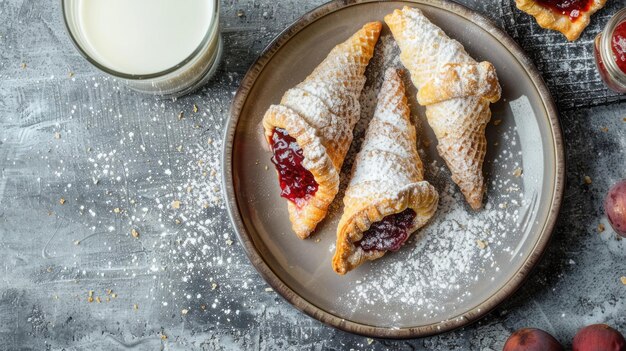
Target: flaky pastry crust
{"x": 456, "y": 91}
{"x": 320, "y": 113}
{"x": 387, "y": 178}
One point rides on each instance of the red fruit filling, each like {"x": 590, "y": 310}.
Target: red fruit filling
{"x": 571, "y": 8}
{"x": 297, "y": 183}
{"x": 389, "y": 233}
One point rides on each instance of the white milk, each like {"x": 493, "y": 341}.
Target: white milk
{"x": 143, "y": 36}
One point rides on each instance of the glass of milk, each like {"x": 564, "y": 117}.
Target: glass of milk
{"x": 161, "y": 47}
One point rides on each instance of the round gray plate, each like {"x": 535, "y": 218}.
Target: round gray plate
{"x": 463, "y": 263}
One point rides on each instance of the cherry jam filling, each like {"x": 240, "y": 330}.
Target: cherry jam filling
{"x": 297, "y": 183}
{"x": 571, "y": 8}
{"x": 389, "y": 233}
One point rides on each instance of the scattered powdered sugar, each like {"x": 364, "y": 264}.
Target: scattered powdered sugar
{"x": 458, "y": 255}
{"x": 152, "y": 195}
{"x": 438, "y": 267}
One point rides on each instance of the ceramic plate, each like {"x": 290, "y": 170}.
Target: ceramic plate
{"x": 463, "y": 263}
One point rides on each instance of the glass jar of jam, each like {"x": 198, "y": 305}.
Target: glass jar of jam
{"x": 610, "y": 52}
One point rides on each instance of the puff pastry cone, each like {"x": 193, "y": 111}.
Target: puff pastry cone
{"x": 387, "y": 198}
{"x": 456, "y": 91}
{"x": 568, "y": 17}
{"x": 310, "y": 131}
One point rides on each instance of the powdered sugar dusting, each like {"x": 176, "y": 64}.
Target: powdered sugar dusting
{"x": 388, "y": 158}
{"x": 328, "y": 98}
{"x": 385, "y": 56}
{"x": 456, "y": 255}
{"x": 458, "y": 121}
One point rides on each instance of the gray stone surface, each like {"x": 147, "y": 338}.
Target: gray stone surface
{"x": 67, "y": 132}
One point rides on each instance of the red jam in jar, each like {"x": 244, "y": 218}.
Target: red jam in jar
{"x": 570, "y": 8}
{"x": 610, "y": 52}
{"x": 618, "y": 44}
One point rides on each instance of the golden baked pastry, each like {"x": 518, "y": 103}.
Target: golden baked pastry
{"x": 456, "y": 91}
{"x": 387, "y": 198}
{"x": 569, "y": 17}
{"x": 310, "y": 131}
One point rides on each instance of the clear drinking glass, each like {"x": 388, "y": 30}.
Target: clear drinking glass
{"x": 185, "y": 77}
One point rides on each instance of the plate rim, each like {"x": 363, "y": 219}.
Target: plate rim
{"x": 328, "y": 318}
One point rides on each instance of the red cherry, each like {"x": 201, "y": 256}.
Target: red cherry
{"x": 598, "y": 337}
{"x": 531, "y": 339}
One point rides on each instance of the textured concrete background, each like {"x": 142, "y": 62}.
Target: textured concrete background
{"x": 84, "y": 161}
